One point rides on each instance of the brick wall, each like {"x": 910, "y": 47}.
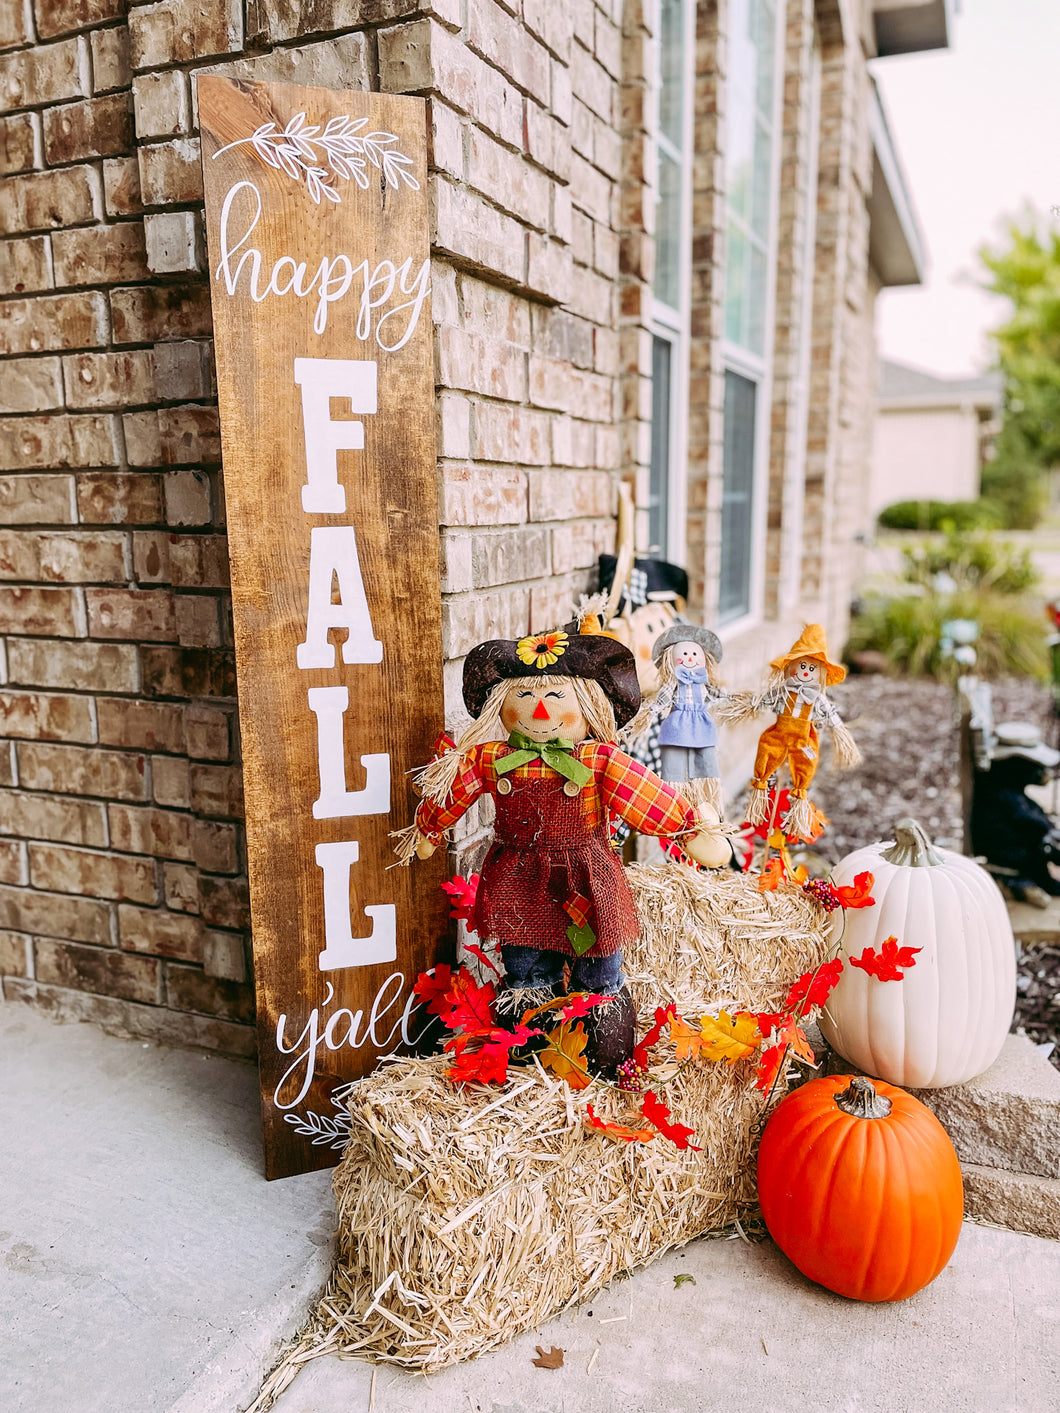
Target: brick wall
{"x": 122, "y": 858}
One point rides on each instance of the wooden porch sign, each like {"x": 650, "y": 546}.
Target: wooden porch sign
{"x": 320, "y": 279}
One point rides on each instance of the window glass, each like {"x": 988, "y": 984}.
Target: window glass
{"x": 659, "y": 493}
{"x": 667, "y": 286}
{"x": 734, "y": 589}
{"x": 749, "y": 167}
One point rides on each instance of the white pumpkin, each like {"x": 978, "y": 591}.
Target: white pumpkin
{"x": 946, "y": 1020}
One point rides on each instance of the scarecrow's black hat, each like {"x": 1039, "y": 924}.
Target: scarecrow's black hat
{"x": 563, "y": 652}
{"x": 654, "y": 580}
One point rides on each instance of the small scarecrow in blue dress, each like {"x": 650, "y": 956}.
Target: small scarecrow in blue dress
{"x": 687, "y": 659}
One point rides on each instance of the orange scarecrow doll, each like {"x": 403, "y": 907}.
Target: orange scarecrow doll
{"x": 553, "y": 893}
{"x": 796, "y": 693}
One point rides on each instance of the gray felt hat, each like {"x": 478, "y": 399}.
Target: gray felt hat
{"x": 687, "y": 633}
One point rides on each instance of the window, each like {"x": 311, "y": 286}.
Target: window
{"x": 750, "y": 165}
{"x": 671, "y": 285}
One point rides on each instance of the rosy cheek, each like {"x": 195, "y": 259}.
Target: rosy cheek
{"x": 569, "y": 718}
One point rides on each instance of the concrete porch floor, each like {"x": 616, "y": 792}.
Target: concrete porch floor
{"x": 145, "y": 1265}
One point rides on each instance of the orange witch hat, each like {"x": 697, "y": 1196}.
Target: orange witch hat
{"x": 811, "y": 644}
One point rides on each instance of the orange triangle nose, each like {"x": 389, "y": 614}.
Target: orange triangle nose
{"x": 540, "y": 712}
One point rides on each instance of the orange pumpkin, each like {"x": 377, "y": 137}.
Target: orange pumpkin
{"x": 860, "y": 1187}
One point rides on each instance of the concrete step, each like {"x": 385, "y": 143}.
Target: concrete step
{"x": 1035, "y": 927}
{"x": 1009, "y": 1116}
{"x": 1017, "y": 1201}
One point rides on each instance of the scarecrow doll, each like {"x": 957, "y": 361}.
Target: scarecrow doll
{"x": 796, "y": 693}
{"x": 648, "y": 602}
{"x": 552, "y": 892}
{"x": 678, "y": 720}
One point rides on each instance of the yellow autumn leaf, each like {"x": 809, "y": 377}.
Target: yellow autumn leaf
{"x": 725, "y": 1037}
{"x": 563, "y": 1055}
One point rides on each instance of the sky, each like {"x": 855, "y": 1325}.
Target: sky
{"x": 977, "y": 129}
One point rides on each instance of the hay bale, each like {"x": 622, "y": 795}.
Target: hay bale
{"x": 467, "y": 1216}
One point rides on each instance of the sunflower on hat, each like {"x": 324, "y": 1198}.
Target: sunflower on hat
{"x": 542, "y": 649}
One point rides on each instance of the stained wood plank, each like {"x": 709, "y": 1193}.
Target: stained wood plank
{"x": 312, "y": 1021}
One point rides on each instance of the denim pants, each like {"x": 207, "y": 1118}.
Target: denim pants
{"x": 527, "y": 968}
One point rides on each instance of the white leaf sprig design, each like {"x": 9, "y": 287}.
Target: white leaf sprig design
{"x": 301, "y": 151}
{"x": 325, "y": 1128}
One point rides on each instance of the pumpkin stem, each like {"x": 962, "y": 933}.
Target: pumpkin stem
{"x": 861, "y": 1101}
{"x": 912, "y": 847}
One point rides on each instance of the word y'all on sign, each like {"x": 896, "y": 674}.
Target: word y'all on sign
{"x": 320, "y": 281}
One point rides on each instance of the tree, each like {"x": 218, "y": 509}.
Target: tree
{"x": 1026, "y": 270}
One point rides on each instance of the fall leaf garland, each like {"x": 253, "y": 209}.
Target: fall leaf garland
{"x": 482, "y": 1050}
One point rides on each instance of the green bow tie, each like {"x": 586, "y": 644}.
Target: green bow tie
{"x": 556, "y": 754}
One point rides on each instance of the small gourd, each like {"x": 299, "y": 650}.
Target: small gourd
{"x": 860, "y": 1187}
{"x": 946, "y": 1020}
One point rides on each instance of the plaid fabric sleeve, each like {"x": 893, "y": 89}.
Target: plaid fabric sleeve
{"x": 645, "y": 802}
{"x": 433, "y": 819}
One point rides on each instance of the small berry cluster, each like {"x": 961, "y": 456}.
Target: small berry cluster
{"x": 631, "y": 1076}
{"x": 824, "y": 893}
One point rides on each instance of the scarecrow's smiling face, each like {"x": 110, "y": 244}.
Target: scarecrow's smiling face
{"x": 689, "y": 655}
{"x": 544, "y": 712}
{"x": 805, "y": 670}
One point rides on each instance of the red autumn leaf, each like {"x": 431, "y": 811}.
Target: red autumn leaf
{"x": 486, "y": 961}
{"x": 860, "y": 894}
{"x": 486, "y": 1066}
{"x": 656, "y": 1112}
{"x": 470, "y": 1005}
{"x": 783, "y": 802}
{"x": 887, "y": 963}
{"x": 662, "y": 1018}
{"x": 769, "y": 1067}
{"x": 813, "y": 988}
{"x": 770, "y": 1020}
{"x": 462, "y": 896}
{"x": 580, "y": 1004}
{"x": 628, "y": 1135}
{"x": 772, "y": 876}
{"x": 431, "y": 987}
{"x": 488, "y": 1063}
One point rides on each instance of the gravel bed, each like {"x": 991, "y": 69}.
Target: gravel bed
{"x": 906, "y": 729}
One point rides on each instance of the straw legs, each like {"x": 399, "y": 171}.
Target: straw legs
{"x": 534, "y": 977}
{"x": 794, "y": 741}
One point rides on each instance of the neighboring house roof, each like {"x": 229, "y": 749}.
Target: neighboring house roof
{"x": 902, "y": 386}
{"x": 896, "y": 245}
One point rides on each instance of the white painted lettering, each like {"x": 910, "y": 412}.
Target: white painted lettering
{"x": 341, "y": 948}
{"x": 333, "y": 555}
{"x": 321, "y": 379}
{"x": 334, "y": 801}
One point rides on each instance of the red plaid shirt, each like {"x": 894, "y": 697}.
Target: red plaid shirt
{"x": 620, "y": 786}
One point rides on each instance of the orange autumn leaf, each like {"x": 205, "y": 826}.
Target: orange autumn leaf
{"x": 859, "y": 895}
{"x": 563, "y": 1055}
{"x": 800, "y": 875}
{"x": 772, "y": 876}
{"x": 725, "y": 1037}
{"x": 620, "y": 1131}
{"x": 688, "y": 1038}
{"x": 790, "y": 1033}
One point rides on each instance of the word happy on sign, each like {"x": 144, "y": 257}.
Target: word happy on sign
{"x": 333, "y": 279}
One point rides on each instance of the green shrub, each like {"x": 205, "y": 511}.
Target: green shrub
{"x": 907, "y": 629}
{"x": 982, "y": 514}
{"x": 973, "y": 562}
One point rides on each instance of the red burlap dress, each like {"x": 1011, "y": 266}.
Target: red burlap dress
{"x": 551, "y": 863}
